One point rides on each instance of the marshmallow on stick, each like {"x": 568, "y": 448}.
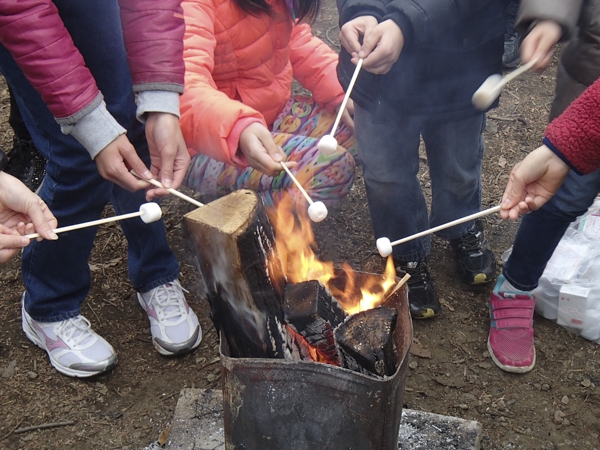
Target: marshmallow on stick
{"x": 491, "y": 88}
{"x": 328, "y": 143}
{"x": 317, "y": 211}
{"x": 148, "y": 212}
{"x": 384, "y": 246}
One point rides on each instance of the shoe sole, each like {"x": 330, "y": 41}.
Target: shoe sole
{"x": 511, "y": 369}
{"x": 33, "y": 337}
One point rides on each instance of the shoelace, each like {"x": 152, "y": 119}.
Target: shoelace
{"x": 167, "y": 301}
{"x": 418, "y": 275}
{"x": 75, "y": 331}
{"x": 471, "y": 242}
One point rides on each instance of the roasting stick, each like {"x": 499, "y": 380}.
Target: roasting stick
{"x": 385, "y": 246}
{"x": 171, "y": 190}
{"x": 492, "y": 86}
{"x": 328, "y": 143}
{"x": 317, "y": 211}
{"x": 399, "y": 285}
{"x": 149, "y": 212}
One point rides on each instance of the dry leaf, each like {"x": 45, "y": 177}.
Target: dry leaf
{"x": 163, "y": 437}
{"x": 447, "y": 304}
{"x": 502, "y": 162}
{"x": 417, "y": 349}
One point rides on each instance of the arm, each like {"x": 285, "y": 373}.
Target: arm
{"x": 314, "y": 66}
{"x": 572, "y": 141}
{"x": 153, "y": 31}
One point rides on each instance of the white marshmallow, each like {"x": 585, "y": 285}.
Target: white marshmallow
{"x": 384, "y": 246}
{"x": 487, "y": 92}
{"x": 317, "y": 211}
{"x": 327, "y": 144}
{"x": 150, "y": 212}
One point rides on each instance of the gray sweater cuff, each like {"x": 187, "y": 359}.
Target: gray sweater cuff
{"x": 95, "y": 130}
{"x": 157, "y": 101}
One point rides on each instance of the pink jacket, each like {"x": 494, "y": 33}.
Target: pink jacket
{"x": 239, "y": 70}
{"x": 33, "y": 32}
{"x": 575, "y": 135}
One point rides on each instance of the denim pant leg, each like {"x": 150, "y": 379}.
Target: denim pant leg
{"x": 541, "y": 231}
{"x": 56, "y": 273}
{"x": 454, "y": 156}
{"x": 389, "y": 153}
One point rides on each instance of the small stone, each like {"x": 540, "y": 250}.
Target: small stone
{"x": 545, "y": 387}
{"x": 564, "y": 400}
{"x": 486, "y": 354}
{"x": 511, "y": 401}
{"x": 586, "y": 383}
{"x": 566, "y": 422}
{"x": 538, "y": 386}
{"x": 491, "y": 127}
{"x": 31, "y": 375}
{"x": 559, "y": 417}
{"x": 413, "y": 365}
{"x": 463, "y": 406}
{"x": 485, "y": 365}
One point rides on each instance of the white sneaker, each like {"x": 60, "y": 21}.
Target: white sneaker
{"x": 73, "y": 347}
{"x": 174, "y": 325}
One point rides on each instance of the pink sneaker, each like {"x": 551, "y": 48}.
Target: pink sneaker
{"x": 510, "y": 342}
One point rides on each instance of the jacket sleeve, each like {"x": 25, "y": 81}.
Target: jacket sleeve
{"x": 314, "y": 66}
{"x": 575, "y": 135}
{"x": 33, "y": 32}
{"x": 211, "y": 122}
{"x": 564, "y": 13}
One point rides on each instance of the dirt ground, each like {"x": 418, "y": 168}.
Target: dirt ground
{"x": 131, "y": 406}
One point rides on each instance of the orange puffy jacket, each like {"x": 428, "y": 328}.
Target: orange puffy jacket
{"x": 239, "y": 70}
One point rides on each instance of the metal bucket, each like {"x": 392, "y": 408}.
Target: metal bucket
{"x": 274, "y": 404}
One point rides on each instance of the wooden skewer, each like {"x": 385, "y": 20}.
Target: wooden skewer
{"x": 347, "y": 96}
{"x": 171, "y": 190}
{"x": 515, "y": 73}
{"x": 447, "y": 225}
{"x": 89, "y": 224}
{"x": 308, "y": 199}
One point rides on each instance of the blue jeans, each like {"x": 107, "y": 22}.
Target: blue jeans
{"x": 56, "y": 273}
{"x": 541, "y": 231}
{"x": 389, "y": 153}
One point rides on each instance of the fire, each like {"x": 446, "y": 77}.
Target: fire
{"x": 296, "y": 247}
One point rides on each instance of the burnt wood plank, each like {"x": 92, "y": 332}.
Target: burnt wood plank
{"x": 242, "y": 273}
{"x": 366, "y": 341}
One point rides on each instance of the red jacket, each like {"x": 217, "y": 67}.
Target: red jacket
{"x": 35, "y": 35}
{"x": 575, "y": 134}
{"x": 239, "y": 70}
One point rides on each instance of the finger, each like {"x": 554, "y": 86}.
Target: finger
{"x": 43, "y": 220}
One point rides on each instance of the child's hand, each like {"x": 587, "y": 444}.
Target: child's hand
{"x": 381, "y": 47}
{"x": 259, "y": 148}
{"x": 539, "y": 44}
{"x": 533, "y": 182}
{"x": 352, "y": 33}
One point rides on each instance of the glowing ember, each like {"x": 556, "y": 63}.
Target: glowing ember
{"x": 295, "y": 243}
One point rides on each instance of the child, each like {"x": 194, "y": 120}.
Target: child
{"x": 422, "y": 63}
{"x": 511, "y": 341}
{"x": 75, "y": 90}
{"x": 237, "y": 111}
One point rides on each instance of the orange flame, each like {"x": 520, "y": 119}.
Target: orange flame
{"x": 296, "y": 243}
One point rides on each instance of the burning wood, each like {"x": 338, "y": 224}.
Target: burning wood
{"x": 366, "y": 341}
{"x": 312, "y": 312}
{"x": 272, "y": 298}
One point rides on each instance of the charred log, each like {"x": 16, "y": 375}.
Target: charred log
{"x": 242, "y": 273}
{"x": 366, "y": 341}
{"x": 311, "y": 311}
